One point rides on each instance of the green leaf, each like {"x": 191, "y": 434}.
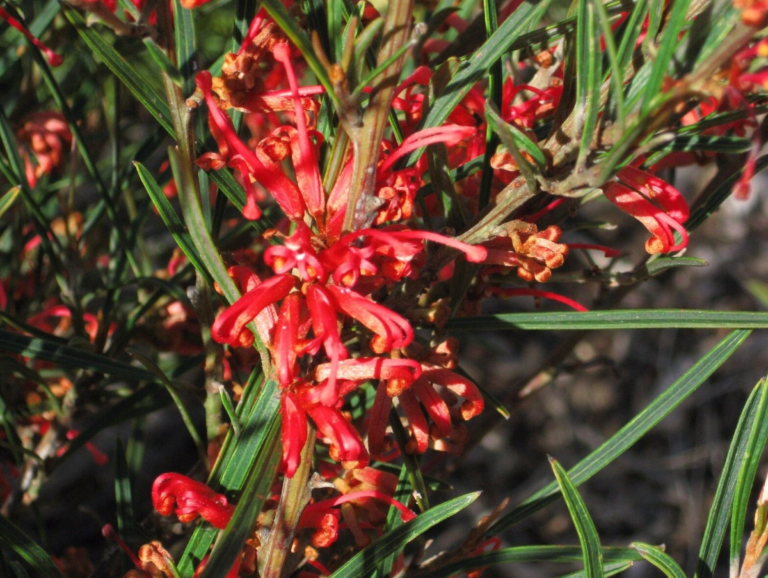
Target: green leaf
{"x": 258, "y": 407}
{"x": 123, "y": 494}
{"x": 364, "y": 562}
{"x": 660, "y": 559}
{"x": 665, "y": 51}
{"x": 750, "y": 431}
{"x": 142, "y": 88}
{"x": 37, "y": 27}
{"x": 256, "y": 491}
{"x": 171, "y": 388}
{"x": 55, "y": 352}
{"x": 758, "y": 290}
{"x": 663, "y": 263}
{"x": 520, "y": 21}
{"x": 527, "y": 554}
{"x": 163, "y": 62}
{"x": 11, "y": 538}
{"x": 7, "y": 200}
{"x": 627, "y": 436}
{"x": 616, "y": 319}
{"x": 589, "y": 75}
{"x": 172, "y": 221}
{"x": 608, "y": 570}
{"x": 718, "y": 197}
{"x": 146, "y": 400}
{"x": 185, "y": 41}
{"x": 585, "y": 528}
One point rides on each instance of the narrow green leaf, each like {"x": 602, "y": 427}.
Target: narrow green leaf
{"x": 514, "y": 138}
{"x": 665, "y": 51}
{"x": 585, "y": 527}
{"x": 663, "y": 263}
{"x": 185, "y": 41}
{"x": 750, "y": 431}
{"x": 511, "y": 137}
{"x": 37, "y": 27}
{"x": 589, "y": 75}
{"x": 11, "y": 538}
{"x": 162, "y": 61}
{"x": 141, "y": 88}
{"x": 718, "y": 197}
{"x": 7, "y": 200}
{"x": 627, "y": 436}
{"x": 148, "y": 399}
{"x": 632, "y": 30}
{"x": 256, "y": 491}
{"x": 364, "y": 562}
{"x": 522, "y": 19}
{"x": 527, "y": 554}
{"x": 258, "y": 407}
{"x": 616, "y": 319}
{"x": 172, "y": 221}
{"x": 394, "y": 519}
{"x": 55, "y": 352}
{"x": 608, "y": 570}
{"x": 123, "y": 494}
{"x": 758, "y": 290}
{"x": 171, "y": 388}
{"x": 660, "y": 559}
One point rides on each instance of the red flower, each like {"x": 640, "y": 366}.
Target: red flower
{"x": 633, "y": 193}
{"x": 53, "y": 58}
{"x": 174, "y": 493}
{"x": 228, "y": 325}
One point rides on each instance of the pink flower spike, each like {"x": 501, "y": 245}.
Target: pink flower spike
{"x": 279, "y": 186}
{"x": 406, "y": 514}
{"x": 306, "y": 167}
{"x": 538, "y": 293}
{"x": 294, "y": 432}
{"x": 229, "y": 324}
{"x": 187, "y": 498}
{"x": 606, "y": 250}
{"x": 253, "y": 30}
{"x": 448, "y": 134}
{"x": 53, "y": 58}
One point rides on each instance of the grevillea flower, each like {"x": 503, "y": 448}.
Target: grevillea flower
{"x": 188, "y": 499}
{"x": 633, "y": 193}
{"x": 46, "y": 136}
{"x": 279, "y": 186}
{"x": 535, "y": 253}
{"x": 438, "y": 406}
{"x": 53, "y": 58}
{"x": 230, "y": 324}
{"x": 296, "y": 252}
